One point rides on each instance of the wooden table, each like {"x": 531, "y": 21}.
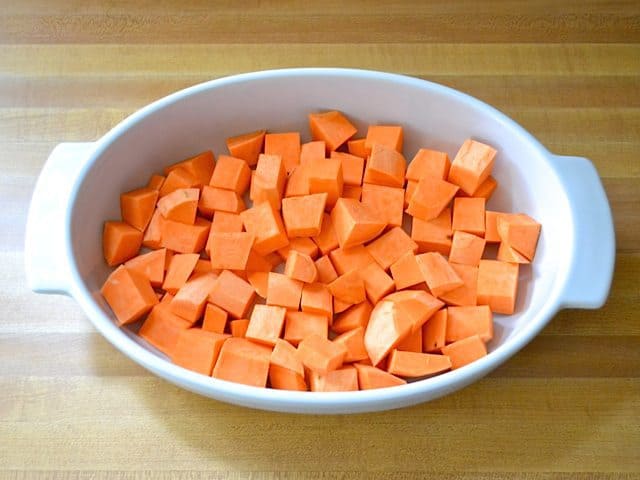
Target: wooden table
{"x": 71, "y": 406}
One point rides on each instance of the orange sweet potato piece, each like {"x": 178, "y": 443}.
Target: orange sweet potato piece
{"x": 339, "y": 306}
{"x": 238, "y": 327}
{"x": 390, "y": 136}
{"x": 406, "y": 272}
{"x": 409, "y": 191}
{"x": 316, "y": 298}
{"x": 247, "y": 146}
{"x": 389, "y": 247}
{"x": 520, "y": 232}
{"x": 386, "y": 202}
{"x": 184, "y": 238}
{"x": 299, "y": 244}
{"x": 265, "y": 324}
{"x": 286, "y": 371}
{"x": 243, "y": 361}
{"x": 120, "y": 242}
{"x": 326, "y": 272}
{"x": 412, "y": 342}
{"x": 231, "y": 173}
{"x": 233, "y": 294}
{"x": 386, "y": 328}
{"x": 434, "y": 332}
{"x": 260, "y": 282}
{"x": 357, "y": 147}
{"x": 189, "y": 302}
{"x": 355, "y": 223}
{"x": 463, "y": 322}
{"x": 300, "y": 266}
{"x": 286, "y": 145}
{"x": 438, "y": 273}
{"x": 265, "y": 223}
{"x": 129, "y": 294}
{"x": 498, "y": 285}
{"x": 179, "y": 271}
{"x": 150, "y": 264}
{"x": 331, "y": 127}
{"x": 303, "y": 215}
{"x": 137, "y": 207}
{"x": 348, "y": 287}
{"x": 485, "y": 190}
{"x": 433, "y": 235}
{"x": 200, "y": 167}
{"x": 353, "y": 340}
{"x": 347, "y": 259}
{"x": 377, "y": 283}
{"x": 299, "y": 325}
{"x": 178, "y": 177}
{"x": 162, "y": 328}
{"x": 197, "y": 350}
{"x": 214, "y": 199}
{"x": 352, "y": 167}
{"x": 356, "y": 316}
{"x": 153, "y": 233}
{"x": 320, "y": 354}
{"x": 491, "y": 226}
{"x": 314, "y": 150}
{"x": 181, "y": 205}
{"x": 370, "y": 377}
{"x": 430, "y": 198}
{"x": 468, "y": 215}
{"x": 297, "y": 182}
{"x": 506, "y": 253}
{"x": 327, "y": 239}
{"x": 215, "y": 319}
{"x": 325, "y": 175}
{"x": 386, "y": 166}
{"x": 413, "y": 364}
{"x": 465, "y": 351}
{"x": 428, "y": 163}
{"x": 466, "y": 294}
{"x": 344, "y": 379}
{"x": 466, "y": 248}
{"x": 268, "y": 180}
{"x": 283, "y": 291}
{"x": 416, "y": 306}
{"x": 471, "y": 166}
{"x": 352, "y": 191}
{"x": 156, "y": 182}
{"x": 231, "y": 250}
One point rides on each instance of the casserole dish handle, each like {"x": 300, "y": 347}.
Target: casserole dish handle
{"x": 594, "y": 246}
{"x": 47, "y": 234}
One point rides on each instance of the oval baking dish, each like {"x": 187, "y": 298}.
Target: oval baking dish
{"x": 80, "y": 184}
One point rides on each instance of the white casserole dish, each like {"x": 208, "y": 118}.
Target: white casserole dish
{"x": 80, "y": 184}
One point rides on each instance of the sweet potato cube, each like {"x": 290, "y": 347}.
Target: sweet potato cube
{"x": 355, "y": 223}
{"x": 430, "y": 198}
{"x": 472, "y": 165}
{"x": 243, "y": 361}
{"x": 498, "y": 285}
{"x": 246, "y": 146}
{"x": 331, "y": 127}
{"x": 231, "y": 173}
{"x": 386, "y": 166}
{"x": 325, "y": 175}
{"x": 129, "y": 294}
{"x": 303, "y": 215}
{"x": 386, "y": 202}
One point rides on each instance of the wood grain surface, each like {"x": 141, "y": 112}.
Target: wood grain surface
{"x": 568, "y": 405}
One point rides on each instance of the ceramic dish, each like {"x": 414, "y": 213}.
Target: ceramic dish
{"x": 80, "y": 184}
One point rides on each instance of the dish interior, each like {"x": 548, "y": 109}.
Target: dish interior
{"x": 432, "y": 116}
